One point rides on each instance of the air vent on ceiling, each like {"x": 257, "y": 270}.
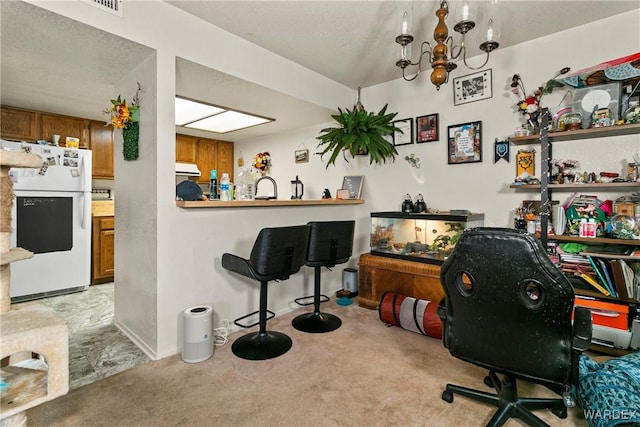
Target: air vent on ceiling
{"x": 111, "y": 6}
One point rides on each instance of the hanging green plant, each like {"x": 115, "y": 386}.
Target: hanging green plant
{"x": 359, "y": 132}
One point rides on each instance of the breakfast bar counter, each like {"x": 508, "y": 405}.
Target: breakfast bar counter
{"x": 265, "y": 203}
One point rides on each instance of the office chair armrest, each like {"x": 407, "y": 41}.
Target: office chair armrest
{"x": 237, "y": 265}
{"x": 581, "y": 329}
{"x": 442, "y": 309}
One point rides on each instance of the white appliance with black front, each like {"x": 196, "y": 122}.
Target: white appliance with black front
{"x": 51, "y": 217}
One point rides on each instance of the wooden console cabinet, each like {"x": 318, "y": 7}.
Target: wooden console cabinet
{"x": 378, "y": 274}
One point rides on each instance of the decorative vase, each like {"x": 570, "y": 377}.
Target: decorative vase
{"x": 130, "y": 134}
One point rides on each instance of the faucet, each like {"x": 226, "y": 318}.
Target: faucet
{"x": 275, "y": 188}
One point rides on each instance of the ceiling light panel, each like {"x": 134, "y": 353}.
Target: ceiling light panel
{"x": 188, "y": 111}
{"x": 227, "y": 122}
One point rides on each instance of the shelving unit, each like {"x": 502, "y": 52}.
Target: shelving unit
{"x": 545, "y": 188}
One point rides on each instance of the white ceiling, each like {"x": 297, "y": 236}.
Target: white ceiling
{"x": 52, "y": 63}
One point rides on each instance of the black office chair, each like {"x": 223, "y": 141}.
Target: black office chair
{"x": 330, "y": 243}
{"x": 277, "y": 253}
{"x": 508, "y": 309}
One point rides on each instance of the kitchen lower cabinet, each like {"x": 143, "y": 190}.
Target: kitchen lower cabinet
{"x": 101, "y": 140}
{"x": 103, "y": 249}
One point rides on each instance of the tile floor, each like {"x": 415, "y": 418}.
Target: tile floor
{"x": 97, "y": 348}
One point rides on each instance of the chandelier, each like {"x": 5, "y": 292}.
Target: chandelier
{"x": 438, "y": 55}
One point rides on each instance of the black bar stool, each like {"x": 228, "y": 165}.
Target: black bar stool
{"x": 330, "y": 243}
{"x": 277, "y": 253}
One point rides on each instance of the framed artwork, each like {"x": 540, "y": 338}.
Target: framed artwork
{"x": 465, "y": 143}
{"x": 427, "y": 128}
{"x": 406, "y": 137}
{"x": 599, "y": 105}
{"x": 354, "y": 185}
{"x": 302, "y": 156}
{"x": 472, "y": 87}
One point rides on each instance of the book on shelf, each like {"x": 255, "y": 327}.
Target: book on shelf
{"x": 622, "y": 279}
{"x": 612, "y": 251}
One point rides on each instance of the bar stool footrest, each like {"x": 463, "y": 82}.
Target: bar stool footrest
{"x": 270, "y": 316}
{"x": 300, "y": 301}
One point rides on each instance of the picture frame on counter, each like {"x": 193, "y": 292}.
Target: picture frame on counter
{"x": 353, "y": 184}
{"x": 465, "y": 143}
{"x": 427, "y": 128}
{"x": 472, "y": 87}
{"x": 406, "y": 136}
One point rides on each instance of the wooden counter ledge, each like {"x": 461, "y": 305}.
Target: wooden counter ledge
{"x": 265, "y": 203}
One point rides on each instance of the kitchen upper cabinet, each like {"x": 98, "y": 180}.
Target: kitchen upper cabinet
{"x": 207, "y": 159}
{"x": 101, "y": 144}
{"x": 214, "y": 154}
{"x": 64, "y": 126}
{"x": 186, "y": 148}
{"x": 225, "y": 158}
{"x": 19, "y": 124}
{"x": 207, "y": 154}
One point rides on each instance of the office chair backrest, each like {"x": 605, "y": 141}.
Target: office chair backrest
{"x": 280, "y": 251}
{"x": 508, "y": 308}
{"x": 330, "y": 242}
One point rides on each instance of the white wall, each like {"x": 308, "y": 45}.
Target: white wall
{"x": 168, "y": 259}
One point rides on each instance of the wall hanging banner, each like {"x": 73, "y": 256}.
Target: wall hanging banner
{"x": 501, "y": 149}
{"x": 409, "y": 313}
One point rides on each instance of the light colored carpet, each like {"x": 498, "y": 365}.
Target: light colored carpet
{"x": 362, "y": 374}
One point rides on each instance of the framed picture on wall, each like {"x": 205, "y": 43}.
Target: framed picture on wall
{"x": 302, "y": 156}
{"x": 472, "y": 87}
{"x": 406, "y": 136}
{"x": 427, "y": 128}
{"x": 465, "y": 143}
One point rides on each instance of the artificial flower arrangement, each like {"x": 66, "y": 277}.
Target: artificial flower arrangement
{"x": 529, "y": 105}
{"x": 262, "y": 162}
{"x": 125, "y": 116}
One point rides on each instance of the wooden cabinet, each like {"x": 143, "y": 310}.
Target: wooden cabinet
{"x": 380, "y": 274}
{"x": 19, "y": 124}
{"x": 225, "y": 158}
{"x": 30, "y": 126}
{"x": 64, "y": 126}
{"x": 207, "y": 159}
{"x": 207, "y": 154}
{"x": 101, "y": 144}
{"x": 186, "y": 148}
{"x": 103, "y": 246}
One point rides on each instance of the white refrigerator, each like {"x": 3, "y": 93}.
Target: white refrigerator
{"x": 51, "y": 217}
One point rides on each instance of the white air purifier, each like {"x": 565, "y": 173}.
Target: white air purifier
{"x": 197, "y": 345}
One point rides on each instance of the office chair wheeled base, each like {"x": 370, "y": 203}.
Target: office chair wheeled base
{"x": 261, "y": 345}
{"x": 507, "y": 401}
{"x": 316, "y": 322}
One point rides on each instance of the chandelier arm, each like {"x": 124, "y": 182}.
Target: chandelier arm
{"x": 486, "y": 60}
{"x": 412, "y": 78}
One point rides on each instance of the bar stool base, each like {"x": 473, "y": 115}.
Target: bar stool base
{"x": 316, "y": 322}
{"x": 261, "y": 345}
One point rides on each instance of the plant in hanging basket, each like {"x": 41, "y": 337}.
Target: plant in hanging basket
{"x": 359, "y": 132}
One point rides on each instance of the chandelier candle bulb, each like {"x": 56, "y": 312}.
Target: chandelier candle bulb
{"x": 405, "y": 24}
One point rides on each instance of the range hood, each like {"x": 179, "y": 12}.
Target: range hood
{"x": 187, "y": 169}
